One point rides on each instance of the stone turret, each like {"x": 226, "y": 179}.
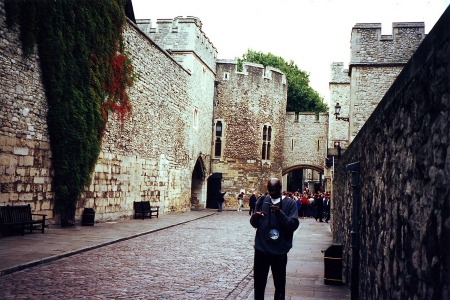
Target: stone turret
{"x": 370, "y": 46}
{"x": 180, "y": 36}
{"x": 376, "y": 60}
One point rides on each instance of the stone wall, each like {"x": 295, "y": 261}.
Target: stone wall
{"x": 339, "y": 93}
{"x": 149, "y": 157}
{"x": 245, "y": 102}
{"x": 25, "y": 156}
{"x": 152, "y": 156}
{"x": 404, "y": 206}
{"x": 305, "y": 140}
{"x": 375, "y": 62}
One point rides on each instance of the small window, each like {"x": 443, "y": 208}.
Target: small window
{"x": 226, "y": 76}
{"x": 195, "y": 117}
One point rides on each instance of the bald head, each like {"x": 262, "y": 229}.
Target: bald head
{"x": 274, "y": 188}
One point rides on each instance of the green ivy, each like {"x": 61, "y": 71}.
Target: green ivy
{"x": 77, "y": 42}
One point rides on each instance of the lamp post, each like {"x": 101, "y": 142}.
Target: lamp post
{"x": 337, "y": 110}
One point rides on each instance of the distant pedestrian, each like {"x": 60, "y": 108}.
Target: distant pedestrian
{"x": 252, "y": 203}
{"x": 319, "y": 207}
{"x": 240, "y": 201}
{"x": 275, "y": 221}
{"x": 221, "y": 199}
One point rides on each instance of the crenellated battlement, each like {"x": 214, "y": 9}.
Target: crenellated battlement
{"x": 228, "y": 68}
{"x": 181, "y": 35}
{"x": 370, "y": 46}
{"x": 338, "y": 73}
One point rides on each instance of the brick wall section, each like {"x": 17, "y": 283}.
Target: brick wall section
{"x": 25, "y": 166}
{"x": 375, "y": 62}
{"x": 404, "y": 216}
{"x": 246, "y": 101}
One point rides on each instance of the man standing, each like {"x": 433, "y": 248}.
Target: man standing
{"x": 252, "y": 203}
{"x": 275, "y": 220}
{"x": 221, "y": 199}
{"x": 240, "y": 201}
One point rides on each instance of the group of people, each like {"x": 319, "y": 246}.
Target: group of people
{"x": 275, "y": 216}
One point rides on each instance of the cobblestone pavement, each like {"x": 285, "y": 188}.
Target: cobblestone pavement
{"x": 205, "y": 259}
{"x": 196, "y": 255}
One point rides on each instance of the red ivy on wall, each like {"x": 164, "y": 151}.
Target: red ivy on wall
{"x": 122, "y": 77}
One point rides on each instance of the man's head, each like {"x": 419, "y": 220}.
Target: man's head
{"x": 274, "y": 188}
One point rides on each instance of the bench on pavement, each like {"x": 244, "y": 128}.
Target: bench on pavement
{"x": 144, "y": 209}
{"x": 19, "y": 216}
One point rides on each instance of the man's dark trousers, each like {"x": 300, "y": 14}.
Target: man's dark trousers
{"x": 264, "y": 261}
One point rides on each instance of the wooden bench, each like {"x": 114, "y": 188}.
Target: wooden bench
{"x": 19, "y": 216}
{"x": 144, "y": 209}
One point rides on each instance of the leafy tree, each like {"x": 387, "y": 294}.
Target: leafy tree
{"x": 301, "y": 97}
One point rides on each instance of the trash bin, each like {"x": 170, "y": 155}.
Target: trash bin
{"x": 88, "y": 217}
{"x": 333, "y": 265}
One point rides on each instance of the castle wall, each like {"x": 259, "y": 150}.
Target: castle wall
{"x": 246, "y": 101}
{"x": 375, "y": 62}
{"x": 152, "y": 156}
{"x": 149, "y": 157}
{"x": 25, "y": 156}
{"x": 404, "y": 190}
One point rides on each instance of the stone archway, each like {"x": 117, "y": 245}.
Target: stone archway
{"x": 295, "y": 177}
{"x": 198, "y": 186}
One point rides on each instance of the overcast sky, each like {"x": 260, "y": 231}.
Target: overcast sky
{"x": 312, "y": 33}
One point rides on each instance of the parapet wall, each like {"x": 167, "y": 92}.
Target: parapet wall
{"x": 368, "y": 45}
{"x": 404, "y": 183}
{"x": 338, "y": 74}
{"x": 181, "y": 34}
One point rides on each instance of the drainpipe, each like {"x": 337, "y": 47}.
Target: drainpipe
{"x": 354, "y": 168}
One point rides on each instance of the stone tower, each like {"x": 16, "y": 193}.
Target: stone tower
{"x": 375, "y": 62}
{"x": 249, "y": 116}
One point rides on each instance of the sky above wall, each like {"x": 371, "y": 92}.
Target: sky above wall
{"x": 312, "y": 33}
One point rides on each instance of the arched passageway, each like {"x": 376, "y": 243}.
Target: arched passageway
{"x": 198, "y": 186}
{"x": 296, "y": 178}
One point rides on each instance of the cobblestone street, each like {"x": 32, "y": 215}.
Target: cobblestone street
{"x": 204, "y": 259}
{"x": 194, "y": 255}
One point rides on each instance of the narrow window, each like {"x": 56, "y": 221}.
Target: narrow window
{"x": 218, "y": 147}
{"x": 219, "y": 128}
{"x": 264, "y": 150}
{"x": 292, "y": 145}
{"x": 267, "y": 136}
{"x": 195, "y": 117}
